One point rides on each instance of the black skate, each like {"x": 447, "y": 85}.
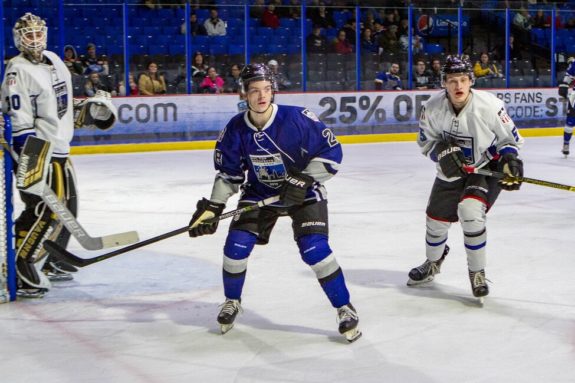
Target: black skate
{"x": 228, "y": 313}
{"x": 426, "y": 272}
{"x": 478, "y": 284}
{"x": 565, "y": 150}
{"x": 24, "y": 290}
{"x": 58, "y": 272}
{"x": 348, "y": 320}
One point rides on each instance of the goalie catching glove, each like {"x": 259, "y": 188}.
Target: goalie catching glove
{"x": 451, "y": 159}
{"x": 295, "y": 187}
{"x": 95, "y": 112}
{"x": 512, "y": 167}
{"x": 205, "y": 210}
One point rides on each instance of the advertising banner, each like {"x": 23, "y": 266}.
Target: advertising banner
{"x": 201, "y": 117}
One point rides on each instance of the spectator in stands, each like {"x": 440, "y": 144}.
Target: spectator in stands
{"x": 558, "y": 23}
{"x": 416, "y": 42}
{"x": 498, "y": 54}
{"x": 212, "y": 83}
{"x": 485, "y": 68}
{"x": 341, "y": 44}
{"x": 390, "y": 18}
{"x": 421, "y": 76}
{"x": 199, "y": 67}
{"x": 282, "y": 81}
{"x": 151, "y": 82}
{"x": 196, "y": 27}
{"x": 368, "y": 43}
{"x": 71, "y": 61}
{"x": 293, "y": 9}
{"x": 232, "y": 83}
{"x": 94, "y": 83}
{"x": 369, "y": 20}
{"x": 539, "y": 20}
{"x": 389, "y": 41}
{"x": 92, "y": 63}
{"x": 522, "y": 19}
{"x": 321, "y": 16}
{"x": 389, "y": 80}
{"x": 214, "y": 25}
{"x": 350, "y": 29}
{"x": 435, "y": 79}
{"x": 316, "y": 42}
{"x": 378, "y": 30}
{"x": 257, "y": 9}
{"x": 133, "y": 87}
{"x": 270, "y": 19}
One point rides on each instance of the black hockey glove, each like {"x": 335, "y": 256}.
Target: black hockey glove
{"x": 451, "y": 159}
{"x": 512, "y": 167}
{"x": 295, "y": 188}
{"x": 205, "y": 210}
{"x": 563, "y": 90}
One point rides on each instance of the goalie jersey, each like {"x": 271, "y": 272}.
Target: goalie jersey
{"x": 482, "y": 129}
{"x": 38, "y": 99}
{"x": 293, "y": 138}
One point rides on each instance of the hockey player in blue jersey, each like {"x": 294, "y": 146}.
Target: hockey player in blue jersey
{"x": 266, "y": 151}
{"x": 568, "y": 80}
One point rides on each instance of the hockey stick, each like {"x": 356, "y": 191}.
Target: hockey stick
{"x": 64, "y": 255}
{"x": 489, "y": 173}
{"x": 70, "y": 222}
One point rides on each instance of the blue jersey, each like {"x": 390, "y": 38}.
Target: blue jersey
{"x": 389, "y": 81}
{"x": 291, "y": 139}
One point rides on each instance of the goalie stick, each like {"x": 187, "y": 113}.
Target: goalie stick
{"x": 64, "y": 255}
{"x": 489, "y": 173}
{"x": 70, "y": 222}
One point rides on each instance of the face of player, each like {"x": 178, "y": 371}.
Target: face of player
{"x": 259, "y": 95}
{"x": 458, "y": 86}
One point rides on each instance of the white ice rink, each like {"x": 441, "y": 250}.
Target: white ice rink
{"x": 149, "y": 315}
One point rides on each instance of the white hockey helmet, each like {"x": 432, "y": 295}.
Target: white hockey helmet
{"x": 30, "y": 36}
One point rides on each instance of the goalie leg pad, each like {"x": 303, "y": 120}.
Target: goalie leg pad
{"x": 33, "y": 165}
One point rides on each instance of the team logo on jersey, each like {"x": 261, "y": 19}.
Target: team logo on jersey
{"x": 218, "y": 157}
{"x": 269, "y": 169}
{"x": 61, "y": 98}
{"x": 309, "y": 114}
{"x": 503, "y": 116}
{"x": 11, "y": 78}
{"x": 465, "y": 143}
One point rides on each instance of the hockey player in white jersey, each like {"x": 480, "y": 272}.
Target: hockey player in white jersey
{"x": 463, "y": 126}
{"x": 37, "y": 98}
{"x": 568, "y": 81}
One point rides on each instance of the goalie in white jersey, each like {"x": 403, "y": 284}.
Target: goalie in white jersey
{"x": 37, "y": 98}
{"x": 463, "y": 126}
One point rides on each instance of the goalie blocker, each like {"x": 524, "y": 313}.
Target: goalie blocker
{"x": 95, "y": 112}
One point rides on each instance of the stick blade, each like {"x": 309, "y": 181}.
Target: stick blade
{"x": 120, "y": 239}
{"x": 64, "y": 255}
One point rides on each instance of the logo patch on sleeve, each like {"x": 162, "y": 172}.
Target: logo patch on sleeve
{"x": 309, "y": 114}
{"x": 11, "y": 78}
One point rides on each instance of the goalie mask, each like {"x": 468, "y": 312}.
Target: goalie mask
{"x": 30, "y": 36}
{"x": 457, "y": 64}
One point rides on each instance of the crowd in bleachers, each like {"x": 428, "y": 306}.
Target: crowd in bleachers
{"x": 157, "y": 33}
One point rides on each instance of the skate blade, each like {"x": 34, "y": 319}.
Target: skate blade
{"x": 352, "y": 335}
{"x": 412, "y": 283}
{"x": 60, "y": 277}
{"x": 31, "y": 293}
{"x": 481, "y": 301}
{"x": 224, "y": 328}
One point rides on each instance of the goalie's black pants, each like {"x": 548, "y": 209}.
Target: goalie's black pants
{"x": 37, "y": 223}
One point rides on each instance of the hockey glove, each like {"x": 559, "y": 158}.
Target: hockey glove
{"x": 205, "y": 210}
{"x": 295, "y": 188}
{"x": 451, "y": 159}
{"x": 512, "y": 167}
{"x": 563, "y": 90}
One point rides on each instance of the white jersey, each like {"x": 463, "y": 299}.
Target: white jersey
{"x": 38, "y": 99}
{"x": 481, "y": 129}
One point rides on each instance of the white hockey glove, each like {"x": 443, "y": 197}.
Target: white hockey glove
{"x": 95, "y": 112}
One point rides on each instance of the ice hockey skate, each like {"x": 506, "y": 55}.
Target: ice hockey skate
{"x": 348, "y": 320}
{"x": 229, "y": 311}
{"x": 565, "y": 150}
{"x": 479, "y": 285}
{"x": 426, "y": 272}
{"x": 58, "y": 272}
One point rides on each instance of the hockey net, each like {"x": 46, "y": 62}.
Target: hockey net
{"x": 7, "y": 246}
